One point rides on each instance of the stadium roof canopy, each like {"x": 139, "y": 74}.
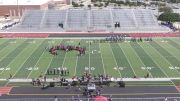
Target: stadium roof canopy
{"x": 23, "y": 2}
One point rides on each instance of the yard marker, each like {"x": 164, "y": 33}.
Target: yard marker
{"x": 154, "y": 61}
{"x": 114, "y": 59}
{"x": 23, "y": 64}
{"x": 128, "y": 60}
{"x": 89, "y": 58}
{"x": 50, "y": 62}
{"x": 141, "y": 61}
{"x": 76, "y": 66}
{"x": 13, "y": 59}
{"x": 36, "y": 64}
{"x": 102, "y": 61}
{"x": 162, "y": 70}
{"x": 167, "y": 60}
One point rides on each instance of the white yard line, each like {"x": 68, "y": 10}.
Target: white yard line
{"x": 25, "y": 60}
{"x": 162, "y": 69}
{"x": 48, "y": 65}
{"x": 175, "y": 41}
{"x": 1, "y": 58}
{"x": 164, "y": 58}
{"x": 23, "y": 63}
{"x": 115, "y": 60}
{"x": 128, "y": 61}
{"x": 36, "y": 63}
{"x": 154, "y": 61}
{"x": 167, "y": 50}
{"x": 64, "y": 60}
{"x": 102, "y": 60}
{"x": 142, "y": 62}
{"x": 76, "y": 66}
{"x": 89, "y": 58}
{"x": 50, "y": 61}
{"x": 6, "y": 41}
{"x": 76, "y": 63}
{"x": 8, "y": 54}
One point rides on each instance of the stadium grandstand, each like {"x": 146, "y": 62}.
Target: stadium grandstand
{"x": 85, "y": 20}
{"x": 86, "y": 53}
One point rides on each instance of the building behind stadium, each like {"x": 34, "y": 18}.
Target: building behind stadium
{"x": 18, "y": 7}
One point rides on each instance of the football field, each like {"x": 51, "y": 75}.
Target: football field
{"x": 29, "y": 58}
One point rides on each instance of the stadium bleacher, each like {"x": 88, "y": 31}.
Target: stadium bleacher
{"x": 83, "y": 20}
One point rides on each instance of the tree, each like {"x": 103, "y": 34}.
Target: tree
{"x": 119, "y": 5}
{"x": 81, "y": 5}
{"x": 174, "y": 1}
{"x": 75, "y": 4}
{"x": 100, "y": 5}
{"x": 95, "y": 5}
{"x": 107, "y": 3}
{"x": 169, "y": 17}
{"x": 165, "y": 9}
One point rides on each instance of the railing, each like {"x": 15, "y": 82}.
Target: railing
{"x": 92, "y": 99}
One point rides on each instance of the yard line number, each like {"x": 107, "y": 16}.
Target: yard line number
{"x": 89, "y": 68}
{"x": 147, "y": 68}
{"x": 32, "y": 68}
{"x": 12, "y": 42}
{"x": 4, "y": 68}
{"x": 119, "y": 68}
{"x": 32, "y": 42}
{"x": 174, "y": 68}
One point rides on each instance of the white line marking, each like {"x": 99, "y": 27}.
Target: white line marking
{"x": 89, "y": 59}
{"x": 75, "y": 66}
{"x": 128, "y": 60}
{"x": 161, "y": 68}
{"x": 50, "y": 61}
{"x": 164, "y": 58}
{"x": 114, "y": 59}
{"x": 26, "y": 60}
{"x": 154, "y": 61}
{"x": 12, "y": 57}
{"x": 141, "y": 61}
{"x": 102, "y": 60}
{"x": 36, "y": 63}
{"x": 23, "y": 62}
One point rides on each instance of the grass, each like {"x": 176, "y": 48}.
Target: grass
{"x": 176, "y": 82}
{"x": 28, "y": 58}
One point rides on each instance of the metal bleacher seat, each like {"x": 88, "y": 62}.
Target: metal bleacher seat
{"x": 76, "y": 19}
{"x": 125, "y": 17}
{"x": 100, "y": 18}
{"x": 32, "y": 19}
{"x": 84, "y": 19}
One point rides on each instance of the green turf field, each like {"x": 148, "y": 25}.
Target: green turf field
{"x": 28, "y": 58}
